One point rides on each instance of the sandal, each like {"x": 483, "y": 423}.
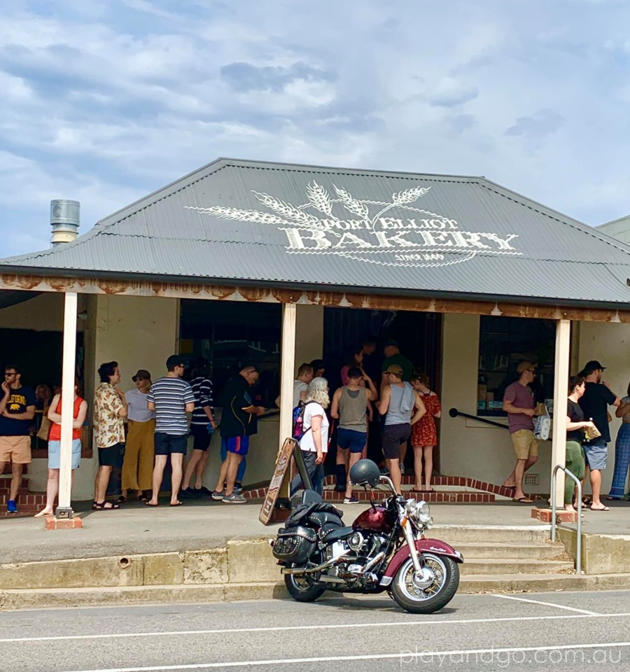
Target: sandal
{"x": 103, "y": 506}
{"x": 602, "y": 508}
{"x": 121, "y": 499}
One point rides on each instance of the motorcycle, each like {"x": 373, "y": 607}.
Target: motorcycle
{"x": 384, "y": 550}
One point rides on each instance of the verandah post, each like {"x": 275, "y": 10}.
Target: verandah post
{"x": 560, "y": 395}
{"x": 64, "y": 509}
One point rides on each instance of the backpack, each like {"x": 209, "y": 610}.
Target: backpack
{"x": 298, "y": 420}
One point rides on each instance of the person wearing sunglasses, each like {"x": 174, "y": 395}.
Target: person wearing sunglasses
{"x": 17, "y": 410}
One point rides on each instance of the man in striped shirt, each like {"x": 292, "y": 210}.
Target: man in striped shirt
{"x": 202, "y": 425}
{"x": 171, "y": 398}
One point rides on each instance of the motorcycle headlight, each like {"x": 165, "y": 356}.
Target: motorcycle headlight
{"x": 418, "y": 512}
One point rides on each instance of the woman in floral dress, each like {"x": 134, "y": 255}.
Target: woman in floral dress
{"x": 424, "y": 432}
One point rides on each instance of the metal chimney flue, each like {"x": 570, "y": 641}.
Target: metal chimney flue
{"x": 64, "y": 220}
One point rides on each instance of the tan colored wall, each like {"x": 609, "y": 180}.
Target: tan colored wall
{"x": 309, "y": 341}
{"x": 468, "y": 447}
{"x": 139, "y": 333}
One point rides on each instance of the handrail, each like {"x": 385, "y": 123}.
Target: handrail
{"x": 453, "y": 412}
{"x": 578, "y": 550}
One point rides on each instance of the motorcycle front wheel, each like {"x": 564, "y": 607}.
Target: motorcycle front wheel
{"x": 426, "y": 594}
{"x": 302, "y": 588}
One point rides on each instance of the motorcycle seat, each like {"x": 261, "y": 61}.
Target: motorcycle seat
{"x": 321, "y": 518}
{"x": 336, "y": 533}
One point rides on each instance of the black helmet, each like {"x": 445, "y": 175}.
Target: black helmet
{"x": 365, "y": 472}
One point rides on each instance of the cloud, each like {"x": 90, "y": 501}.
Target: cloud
{"x": 245, "y": 77}
{"x": 450, "y": 92}
{"x": 538, "y": 125}
{"x": 105, "y": 102}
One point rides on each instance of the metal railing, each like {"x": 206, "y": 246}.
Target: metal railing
{"x": 453, "y": 412}
{"x": 554, "y": 524}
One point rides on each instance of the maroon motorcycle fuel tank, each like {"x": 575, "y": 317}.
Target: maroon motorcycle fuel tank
{"x": 376, "y": 519}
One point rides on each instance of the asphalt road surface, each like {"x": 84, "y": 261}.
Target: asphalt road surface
{"x": 526, "y": 631}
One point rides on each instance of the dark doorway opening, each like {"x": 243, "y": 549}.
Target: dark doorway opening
{"x": 419, "y": 336}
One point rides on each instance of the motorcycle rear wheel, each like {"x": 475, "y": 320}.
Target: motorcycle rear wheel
{"x": 302, "y": 588}
{"x": 426, "y": 599}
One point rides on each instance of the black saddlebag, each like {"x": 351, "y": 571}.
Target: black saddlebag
{"x": 294, "y": 544}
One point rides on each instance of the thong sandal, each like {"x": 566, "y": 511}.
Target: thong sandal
{"x": 103, "y": 506}
{"x": 603, "y": 508}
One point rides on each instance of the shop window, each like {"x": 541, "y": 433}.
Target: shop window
{"x": 230, "y": 335}
{"x": 503, "y": 343}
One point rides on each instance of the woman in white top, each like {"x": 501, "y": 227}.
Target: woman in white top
{"x": 314, "y": 441}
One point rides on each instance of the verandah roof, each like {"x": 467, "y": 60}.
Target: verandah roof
{"x": 330, "y": 228}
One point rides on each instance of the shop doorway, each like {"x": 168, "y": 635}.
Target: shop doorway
{"x": 419, "y": 336}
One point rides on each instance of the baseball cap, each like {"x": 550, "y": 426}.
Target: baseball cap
{"x": 175, "y": 360}
{"x": 524, "y": 366}
{"x": 395, "y": 369}
{"x": 142, "y": 374}
{"x": 593, "y": 365}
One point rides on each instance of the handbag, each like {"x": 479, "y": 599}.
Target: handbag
{"x": 44, "y": 429}
{"x": 542, "y": 425}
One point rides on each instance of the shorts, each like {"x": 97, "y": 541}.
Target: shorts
{"x": 236, "y": 444}
{"x": 54, "y": 449}
{"x": 170, "y": 444}
{"x": 201, "y": 437}
{"x": 350, "y": 438}
{"x": 16, "y": 449}
{"x": 112, "y": 456}
{"x": 596, "y": 455}
{"x": 525, "y": 444}
{"x": 393, "y": 437}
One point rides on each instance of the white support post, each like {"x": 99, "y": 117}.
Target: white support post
{"x": 289, "y": 313}
{"x": 64, "y": 510}
{"x": 560, "y": 394}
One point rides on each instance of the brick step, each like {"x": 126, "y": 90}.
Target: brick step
{"x": 493, "y": 566}
{"x": 24, "y": 499}
{"x": 474, "y": 551}
{"x": 437, "y": 497}
{"x": 456, "y": 481}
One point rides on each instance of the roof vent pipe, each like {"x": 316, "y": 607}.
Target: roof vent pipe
{"x": 64, "y": 220}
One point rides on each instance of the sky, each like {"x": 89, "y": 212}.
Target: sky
{"x": 106, "y": 101}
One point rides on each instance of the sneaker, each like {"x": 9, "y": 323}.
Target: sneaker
{"x": 202, "y": 491}
{"x": 350, "y": 500}
{"x": 238, "y": 489}
{"x": 188, "y": 493}
{"x": 217, "y": 496}
{"x": 11, "y": 506}
{"x": 234, "y": 498}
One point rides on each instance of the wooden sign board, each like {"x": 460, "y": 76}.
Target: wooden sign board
{"x": 282, "y": 463}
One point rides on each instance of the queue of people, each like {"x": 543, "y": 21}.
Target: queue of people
{"x": 143, "y": 430}
{"x": 588, "y": 433}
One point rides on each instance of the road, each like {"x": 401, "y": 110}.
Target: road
{"x": 563, "y": 631}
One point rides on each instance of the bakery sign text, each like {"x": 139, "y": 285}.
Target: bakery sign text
{"x": 391, "y": 233}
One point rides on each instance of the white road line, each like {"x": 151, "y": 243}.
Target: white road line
{"x": 549, "y": 604}
{"x": 280, "y": 629}
{"x": 408, "y": 656}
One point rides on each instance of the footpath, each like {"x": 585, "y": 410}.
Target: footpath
{"x": 211, "y": 551}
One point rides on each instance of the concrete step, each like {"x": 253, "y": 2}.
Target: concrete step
{"x": 533, "y": 551}
{"x": 512, "y": 566}
{"x": 161, "y": 594}
{"x": 486, "y": 534}
{"x": 524, "y": 583}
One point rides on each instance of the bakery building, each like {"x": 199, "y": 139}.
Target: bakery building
{"x": 275, "y": 264}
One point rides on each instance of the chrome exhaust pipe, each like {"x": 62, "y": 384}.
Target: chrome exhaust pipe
{"x": 311, "y": 570}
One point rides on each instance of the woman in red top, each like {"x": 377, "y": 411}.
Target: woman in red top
{"x": 54, "y": 446}
{"x": 424, "y": 432}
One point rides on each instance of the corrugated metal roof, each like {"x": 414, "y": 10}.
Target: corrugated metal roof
{"x": 311, "y": 226}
